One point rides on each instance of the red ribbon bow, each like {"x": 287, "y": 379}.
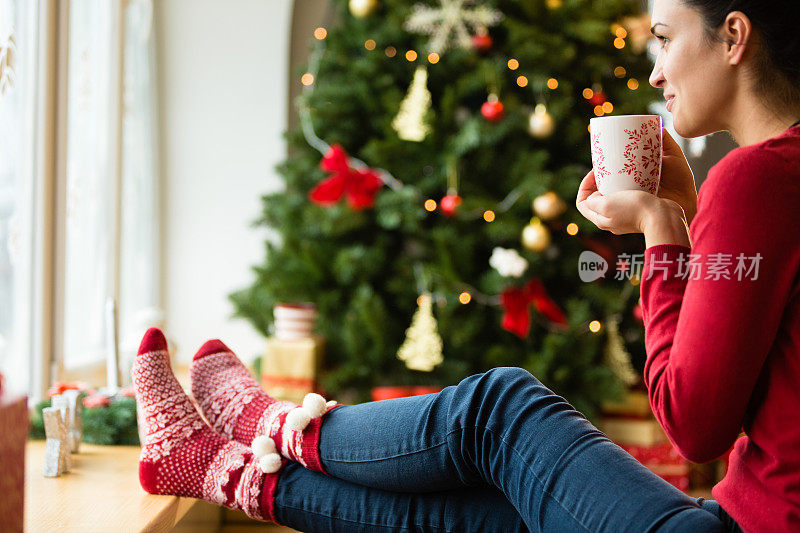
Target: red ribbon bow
{"x": 360, "y": 186}
{"x": 516, "y": 303}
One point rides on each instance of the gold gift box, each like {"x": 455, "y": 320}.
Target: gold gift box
{"x": 290, "y": 367}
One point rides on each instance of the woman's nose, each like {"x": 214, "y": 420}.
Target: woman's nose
{"x": 657, "y": 76}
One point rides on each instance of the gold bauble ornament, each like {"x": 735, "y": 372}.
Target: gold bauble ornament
{"x": 536, "y": 236}
{"x": 553, "y": 4}
{"x": 549, "y": 206}
{"x": 541, "y": 123}
{"x": 363, "y": 8}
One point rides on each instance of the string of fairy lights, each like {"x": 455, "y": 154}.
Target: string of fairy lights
{"x": 589, "y": 93}
{"x": 594, "y": 94}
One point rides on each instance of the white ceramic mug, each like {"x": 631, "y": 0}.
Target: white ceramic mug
{"x": 626, "y": 152}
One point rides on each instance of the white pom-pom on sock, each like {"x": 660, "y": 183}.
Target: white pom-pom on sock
{"x": 298, "y": 418}
{"x": 331, "y": 403}
{"x": 314, "y": 404}
{"x": 270, "y": 463}
{"x": 263, "y": 445}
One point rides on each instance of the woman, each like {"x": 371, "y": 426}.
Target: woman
{"x": 500, "y": 451}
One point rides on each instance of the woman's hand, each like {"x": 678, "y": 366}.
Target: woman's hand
{"x": 677, "y": 180}
{"x": 620, "y": 212}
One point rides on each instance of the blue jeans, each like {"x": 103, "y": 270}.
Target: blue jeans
{"x": 497, "y": 452}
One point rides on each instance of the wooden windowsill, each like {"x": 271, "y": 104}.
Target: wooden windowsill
{"x": 100, "y": 493}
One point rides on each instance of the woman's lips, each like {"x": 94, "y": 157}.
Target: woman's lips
{"x": 670, "y": 101}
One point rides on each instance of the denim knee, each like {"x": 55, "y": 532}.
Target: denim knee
{"x": 505, "y": 375}
{"x": 477, "y": 398}
{"x": 504, "y": 382}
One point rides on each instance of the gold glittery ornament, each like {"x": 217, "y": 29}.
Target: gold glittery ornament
{"x": 549, "y": 206}
{"x": 617, "y": 357}
{"x": 541, "y": 124}
{"x": 410, "y": 120}
{"x": 422, "y": 349}
{"x": 363, "y": 8}
{"x": 536, "y": 236}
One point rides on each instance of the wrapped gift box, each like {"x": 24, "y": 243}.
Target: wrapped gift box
{"x": 664, "y": 461}
{"x": 658, "y": 454}
{"x": 13, "y": 434}
{"x": 290, "y": 367}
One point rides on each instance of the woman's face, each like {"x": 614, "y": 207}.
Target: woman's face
{"x": 693, "y": 75}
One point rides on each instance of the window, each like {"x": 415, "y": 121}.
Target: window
{"x": 78, "y": 184}
{"x": 111, "y": 209}
{"x": 17, "y": 136}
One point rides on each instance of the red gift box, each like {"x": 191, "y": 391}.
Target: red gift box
{"x": 663, "y": 460}
{"x": 659, "y": 454}
{"x": 13, "y": 434}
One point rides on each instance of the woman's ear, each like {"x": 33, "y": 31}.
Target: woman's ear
{"x": 737, "y": 32}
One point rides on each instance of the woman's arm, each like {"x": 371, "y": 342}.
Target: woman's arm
{"x": 707, "y": 336}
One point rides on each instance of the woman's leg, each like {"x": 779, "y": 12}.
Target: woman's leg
{"x": 505, "y": 428}
{"x": 182, "y": 455}
{"x": 311, "y": 501}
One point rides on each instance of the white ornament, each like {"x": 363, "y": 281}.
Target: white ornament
{"x": 298, "y": 418}
{"x": 263, "y": 445}
{"x": 270, "y": 463}
{"x": 314, "y": 404}
{"x": 447, "y": 24}
{"x": 508, "y": 262}
{"x": 330, "y": 403}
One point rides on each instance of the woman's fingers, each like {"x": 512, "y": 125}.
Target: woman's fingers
{"x": 590, "y": 202}
{"x": 671, "y": 146}
{"x": 586, "y": 188}
{"x": 595, "y": 218}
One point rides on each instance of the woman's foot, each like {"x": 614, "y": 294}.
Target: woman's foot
{"x": 238, "y": 408}
{"x": 182, "y": 456}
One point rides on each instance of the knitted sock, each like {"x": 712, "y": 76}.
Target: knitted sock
{"x": 182, "y": 455}
{"x": 238, "y": 408}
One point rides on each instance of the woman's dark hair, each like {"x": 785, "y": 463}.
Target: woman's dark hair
{"x": 777, "y": 65}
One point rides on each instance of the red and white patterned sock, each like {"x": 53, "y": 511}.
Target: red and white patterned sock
{"x": 238, "y": 408}
{"x": 183, "y": 456}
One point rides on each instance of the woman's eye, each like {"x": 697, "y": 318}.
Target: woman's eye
{"x": 663, "y": 40}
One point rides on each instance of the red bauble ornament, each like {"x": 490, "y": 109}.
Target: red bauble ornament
{"x": 637, "y": 313}
{"x": 482, "y": 42}
{"x": 492, "y": 109}
{"x": 598, "y": 98}
{"x": 449, "y": 204}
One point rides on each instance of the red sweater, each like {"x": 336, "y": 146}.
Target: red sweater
{"x": 723, "y": 355}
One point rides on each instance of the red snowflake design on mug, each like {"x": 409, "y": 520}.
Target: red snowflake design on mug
{"x": 644, "y": 169}
{"x": 598, "y": 160}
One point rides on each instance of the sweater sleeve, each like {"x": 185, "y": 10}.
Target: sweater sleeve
{"x": 711, "y": 313}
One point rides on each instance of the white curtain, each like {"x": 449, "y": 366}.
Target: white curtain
{"x": 89, "y": 224}
{"x": 139, "y": 273}
{"x": 17, "y": 95}
{"x": 98, "y": 267}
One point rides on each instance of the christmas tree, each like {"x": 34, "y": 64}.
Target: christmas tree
{"x": 441, "y": 148}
